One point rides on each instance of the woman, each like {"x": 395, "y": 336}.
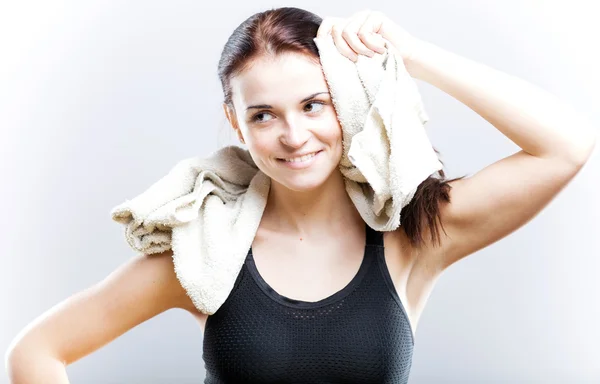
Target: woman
{"x": 322, "y": 297}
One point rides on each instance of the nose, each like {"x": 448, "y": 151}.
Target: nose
{"x": 294, "y": 135}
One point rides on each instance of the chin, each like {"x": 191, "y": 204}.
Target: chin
{"x": 302, "y": 187}
{"x": 304, "y": 182}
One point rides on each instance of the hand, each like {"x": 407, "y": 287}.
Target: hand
{"x": 367, "y": 32}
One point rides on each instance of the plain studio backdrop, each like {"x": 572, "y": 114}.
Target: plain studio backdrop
{"x": 98, "y": 100}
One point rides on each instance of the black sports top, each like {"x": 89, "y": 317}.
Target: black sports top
{"x": 360, "y": 334}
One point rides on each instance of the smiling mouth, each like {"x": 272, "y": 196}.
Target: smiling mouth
{"x": 301, "y": 159}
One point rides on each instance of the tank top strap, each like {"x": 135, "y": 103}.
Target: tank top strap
{"x": 373, "y": 237}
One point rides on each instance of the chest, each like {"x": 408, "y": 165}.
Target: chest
{"x": 307, "y": 271}
{"x": 337, "y": 319}
{"x": 310, "y": 271}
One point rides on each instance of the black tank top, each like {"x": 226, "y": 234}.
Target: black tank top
{"x": 360, "y": 334}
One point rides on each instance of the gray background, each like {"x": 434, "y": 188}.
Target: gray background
{"x": 99, "y": 99}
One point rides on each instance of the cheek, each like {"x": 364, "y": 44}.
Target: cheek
{"x": 261, "y": 146}
{"x": 337, "y": 137}
{"x": 334, "y": 131}
{"x": 260, "y": 141}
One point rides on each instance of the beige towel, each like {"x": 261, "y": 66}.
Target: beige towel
{"x": 207, "y": 209}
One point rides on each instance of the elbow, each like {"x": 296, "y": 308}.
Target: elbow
{"x": 14, "y": 361}
{"x": 21, "y": 355}
{"x": 592, "y": 146}
{"x": 13, "y": 353}
{"x": 577, "y": 154}
{"x": 25, "y": 364}
{"x": 586, "y": 149}
{"x": 17, "y": 351}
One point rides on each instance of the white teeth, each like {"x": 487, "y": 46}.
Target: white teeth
{"x": 301, "y": 159}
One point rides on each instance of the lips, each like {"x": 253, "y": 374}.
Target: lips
{"x": 293, "y": 157}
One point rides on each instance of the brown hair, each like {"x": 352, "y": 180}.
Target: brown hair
{"x": 290, "y": 29}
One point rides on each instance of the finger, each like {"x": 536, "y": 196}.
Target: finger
{"x": 350, "y": 34}
{"x": 340, "y": 43}
{"x": 324, "y": 28}
{"x": 372, "y": 40}
{"x": 326, "y": 25}
{"x": 368, "y": 33}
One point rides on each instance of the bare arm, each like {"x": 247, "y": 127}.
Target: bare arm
{"x": 137, "y": 291}
{"x": 556, "y": 141}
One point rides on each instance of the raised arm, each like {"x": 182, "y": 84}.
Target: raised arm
{"x": 555, "y": 140}
{"x": 137, "y": 291}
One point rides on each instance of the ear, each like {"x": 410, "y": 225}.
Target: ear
{"x": 230, "y": 114}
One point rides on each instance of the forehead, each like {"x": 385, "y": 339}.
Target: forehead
{"x": 285, "y": 77}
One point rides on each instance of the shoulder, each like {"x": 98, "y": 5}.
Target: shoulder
{"x": 160, "y": 267}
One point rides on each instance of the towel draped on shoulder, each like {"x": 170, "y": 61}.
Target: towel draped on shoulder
{"x": 207, "y": 209}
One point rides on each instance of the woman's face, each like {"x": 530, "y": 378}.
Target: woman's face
{"x": 283, "y": 110}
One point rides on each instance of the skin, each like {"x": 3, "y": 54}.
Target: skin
{"x": 147, "y": 285}
{"x": 138, "y": 290}
{"x": 555, "y": 142}
{"x": 310, "y": 225}
{"x": 308, "y": 201}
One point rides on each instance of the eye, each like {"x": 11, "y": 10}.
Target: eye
{"x": 320, "y": 103}
{"x": 256, "y": 118}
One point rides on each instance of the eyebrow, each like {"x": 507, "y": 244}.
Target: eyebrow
{"x": 266, "y": 106}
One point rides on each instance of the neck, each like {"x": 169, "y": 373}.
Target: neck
{"x": 318, "y": 211}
